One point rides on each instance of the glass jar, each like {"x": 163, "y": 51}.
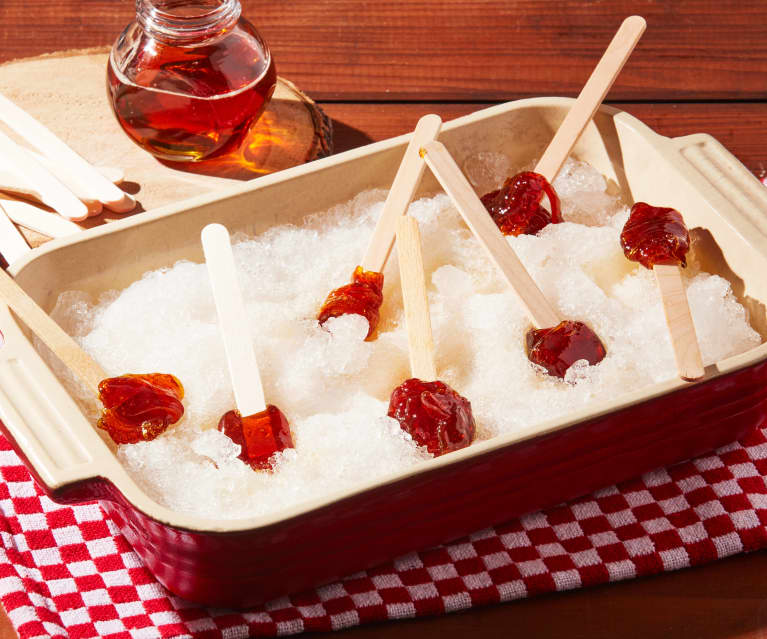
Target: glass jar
{"x": 187, "y": 78}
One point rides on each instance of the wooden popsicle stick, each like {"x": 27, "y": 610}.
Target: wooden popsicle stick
{"x": 112, "y": 173}
{"x": 230, "y": 306}
{"x": 126, "y": 205}
{"x": 94, "y": 206}
{"x": 15, "y": 184}
{"x": 50, "y": 333}
{"x": 90, "y": 181}
{"x": 689, "y": 362}
{"x": 402, "y": 190}
{"x": 417, "y": 316}
{"x": 12, "y": 243}
{"x": 12, "y": 183}
{"x": 539, "y": 310}
{"x": 591, "y": 96}
{"x": 52, "y": 192}
{"x": 30, "y": 217}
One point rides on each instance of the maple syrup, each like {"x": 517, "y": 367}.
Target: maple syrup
{"x": 363, "y": 296}
{"x": 559, "y": 347}
{"x": 655, "y": 235}
{"x": 188, "y": 77}
{"x": 260, "y": 436}
{"x": 434, "y": 414}
{"x": 139, "y": 407}
{"x": 516, "y": 207}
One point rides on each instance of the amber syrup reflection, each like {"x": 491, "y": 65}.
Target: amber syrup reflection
{"x": 187, "y": 104}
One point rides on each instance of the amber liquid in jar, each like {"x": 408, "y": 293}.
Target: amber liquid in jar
{"x": 188, "y": 78}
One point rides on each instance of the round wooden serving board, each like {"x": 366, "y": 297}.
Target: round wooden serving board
{"x": 66, "y": 91}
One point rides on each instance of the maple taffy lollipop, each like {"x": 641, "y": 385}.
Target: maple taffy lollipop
{"x": 261, "y": 430}
{"x": 517, "y": 207}
{"x": 658, "y": 239}
{"x": 555, "y": 343}
{"x": 364, "y": 294}
{"x": 435, "y": 415}
{"x": 135, "y": 407}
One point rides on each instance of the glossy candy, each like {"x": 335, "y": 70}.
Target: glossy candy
{"x": 363, "y": 296}
{"x": 558, "y": 348}
{"x": 139, "y": 407}
{"x": 260, "y": 435}
{"x": 655, "y": 235}
{"x": 434, "y": 414}
{"x": 516, "y": 206}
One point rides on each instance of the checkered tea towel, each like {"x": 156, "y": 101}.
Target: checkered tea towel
{"x": 68, "y": 572}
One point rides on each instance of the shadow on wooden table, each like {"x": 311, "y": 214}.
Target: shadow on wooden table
{"x": 290, "y": 132}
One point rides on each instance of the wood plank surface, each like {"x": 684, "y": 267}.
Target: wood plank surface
{"x": 701, "y": 67}
{"x": 739, "y": 126}
{"x": 458, "y": 50}
{"x": 726, "y": 599}
{"x": 7, "y": 630}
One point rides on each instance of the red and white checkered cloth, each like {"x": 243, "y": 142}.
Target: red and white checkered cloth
{"x": 67, "y": 571}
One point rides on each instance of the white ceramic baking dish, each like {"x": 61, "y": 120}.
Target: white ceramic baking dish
{"x": 241, "y": 562}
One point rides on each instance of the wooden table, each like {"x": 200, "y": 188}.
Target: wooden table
{"x": 376, "y": 67}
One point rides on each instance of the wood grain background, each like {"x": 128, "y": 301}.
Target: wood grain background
{"x": 700, "y": 67}
{"x": 357, "y": 50}
{"x": 378, "y": 66}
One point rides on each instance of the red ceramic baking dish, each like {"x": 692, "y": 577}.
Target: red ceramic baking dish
{"x": 242, "y": 562}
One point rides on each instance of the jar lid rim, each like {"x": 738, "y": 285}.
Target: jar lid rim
{"x": 158, "y": 18}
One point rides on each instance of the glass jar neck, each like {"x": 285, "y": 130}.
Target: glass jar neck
{"x": 186, "y": 22}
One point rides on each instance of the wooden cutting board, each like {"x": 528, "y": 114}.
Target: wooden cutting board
{"x": 66, "y": 91}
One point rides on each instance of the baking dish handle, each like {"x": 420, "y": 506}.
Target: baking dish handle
{"x": 726, "y": 183}
{"x": 60, "y": 447}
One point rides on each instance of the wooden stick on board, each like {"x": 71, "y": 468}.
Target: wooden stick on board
{"x": 15, "y": 184}
{"x": 36, "y": 219}
{"x": 90, "y": 181}
{"x": 51, "y": 191}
